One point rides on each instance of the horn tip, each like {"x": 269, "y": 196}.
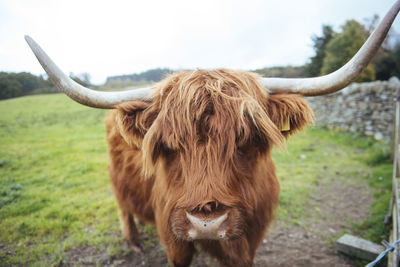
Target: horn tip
{"x": 27, "y": 38}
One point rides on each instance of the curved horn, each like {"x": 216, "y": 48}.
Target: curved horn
{"x": 342, "y": 77}
{"x": 79, "y": 93}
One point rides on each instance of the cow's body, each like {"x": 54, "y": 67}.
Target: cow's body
{"x": 206, "y": 137}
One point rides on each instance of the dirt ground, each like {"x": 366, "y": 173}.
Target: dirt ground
{"x": 309, "y": 245}
{"x": 285, "y": 245}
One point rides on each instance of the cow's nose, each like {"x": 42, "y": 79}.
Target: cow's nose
{"x": 205, "y": 227}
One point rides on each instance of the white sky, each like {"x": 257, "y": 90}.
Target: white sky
{"x": 106, "y": 38}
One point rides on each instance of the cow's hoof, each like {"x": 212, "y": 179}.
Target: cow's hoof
{"x": 137, "y": 247}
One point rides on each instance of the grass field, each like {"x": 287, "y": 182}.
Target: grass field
{"x": 55, "y": 195}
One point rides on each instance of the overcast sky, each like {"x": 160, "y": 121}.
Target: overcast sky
{"x": 106, "y": 38}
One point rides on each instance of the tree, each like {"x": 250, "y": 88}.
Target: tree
{"x": 313, "y": 68}
{"x": 342, "y": 47}
{"x": 387, "y": 59}
{"x": 282, "y": 71}
{"x": 9, "y": 87}
{"x": 28, "y": 82}
{"x": 23, "y": 83}
{"x": 387, "y": 63}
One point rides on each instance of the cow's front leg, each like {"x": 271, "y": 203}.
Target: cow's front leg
{"x": 180, "y": 253}
{"x": 130, "y": 232}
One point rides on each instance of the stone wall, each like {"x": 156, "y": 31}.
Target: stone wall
{"x": 366, "y": 108}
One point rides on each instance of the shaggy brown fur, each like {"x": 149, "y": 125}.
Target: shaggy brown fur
{"x": 205, "y": 138}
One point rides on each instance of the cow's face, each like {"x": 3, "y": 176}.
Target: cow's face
{"x": 206, "y": 139}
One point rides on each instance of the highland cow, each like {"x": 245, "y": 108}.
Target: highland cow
{"x": 196, "y": 162}
{"x": 193, "y": 155}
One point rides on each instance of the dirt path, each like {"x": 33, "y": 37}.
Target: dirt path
{"x": 333, "y": 205}
{"x": 338, "y": 205}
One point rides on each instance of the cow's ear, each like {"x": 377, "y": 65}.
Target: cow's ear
{"x": 134, "y": 119}
{"x": 289, "y": 113}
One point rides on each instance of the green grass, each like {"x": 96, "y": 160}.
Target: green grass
{"x": 54, "y": 189}
{"x": 55, "y": 194}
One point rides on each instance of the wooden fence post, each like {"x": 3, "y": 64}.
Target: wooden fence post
{"x": 394, "y": 235}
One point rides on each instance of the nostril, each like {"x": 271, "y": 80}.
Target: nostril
{"x": 210, "y": 206}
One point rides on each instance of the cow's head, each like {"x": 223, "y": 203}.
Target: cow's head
{"x": 207, "y": 134}
{"x": 205, "y": 138}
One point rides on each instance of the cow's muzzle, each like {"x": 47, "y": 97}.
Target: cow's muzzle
{"x": 207, "y": 228}
{"x": 220, "y": 224}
